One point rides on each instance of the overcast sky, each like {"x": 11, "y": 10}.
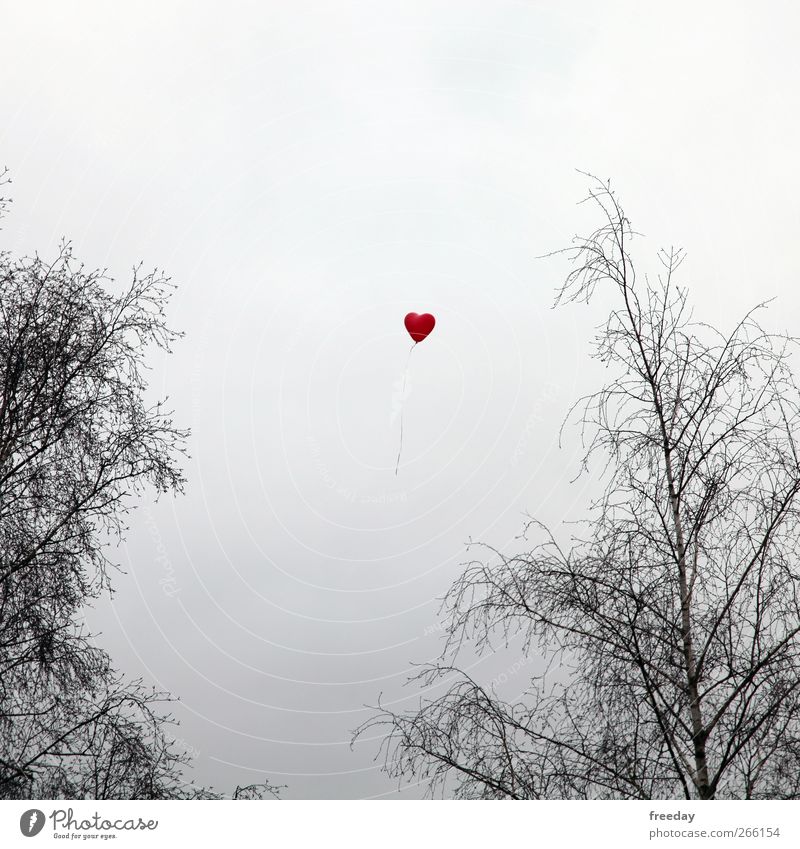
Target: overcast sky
{"x": 308, "y": 173}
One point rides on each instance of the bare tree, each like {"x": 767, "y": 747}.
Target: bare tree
{"x": 675, "y": 615}
{"x": 78, "y": 443}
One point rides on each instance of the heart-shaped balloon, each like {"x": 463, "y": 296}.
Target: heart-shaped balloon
{"x": 419, "y": 326}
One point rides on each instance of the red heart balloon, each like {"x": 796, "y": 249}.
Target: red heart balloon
{"x": 419, "y": 326}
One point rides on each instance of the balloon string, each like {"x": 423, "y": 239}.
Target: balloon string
{"x": 402, "y": 405}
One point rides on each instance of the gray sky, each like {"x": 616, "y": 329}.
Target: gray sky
{"x": 307, "y": 173}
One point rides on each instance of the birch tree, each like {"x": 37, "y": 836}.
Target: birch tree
{"x": 675, "y": 612}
